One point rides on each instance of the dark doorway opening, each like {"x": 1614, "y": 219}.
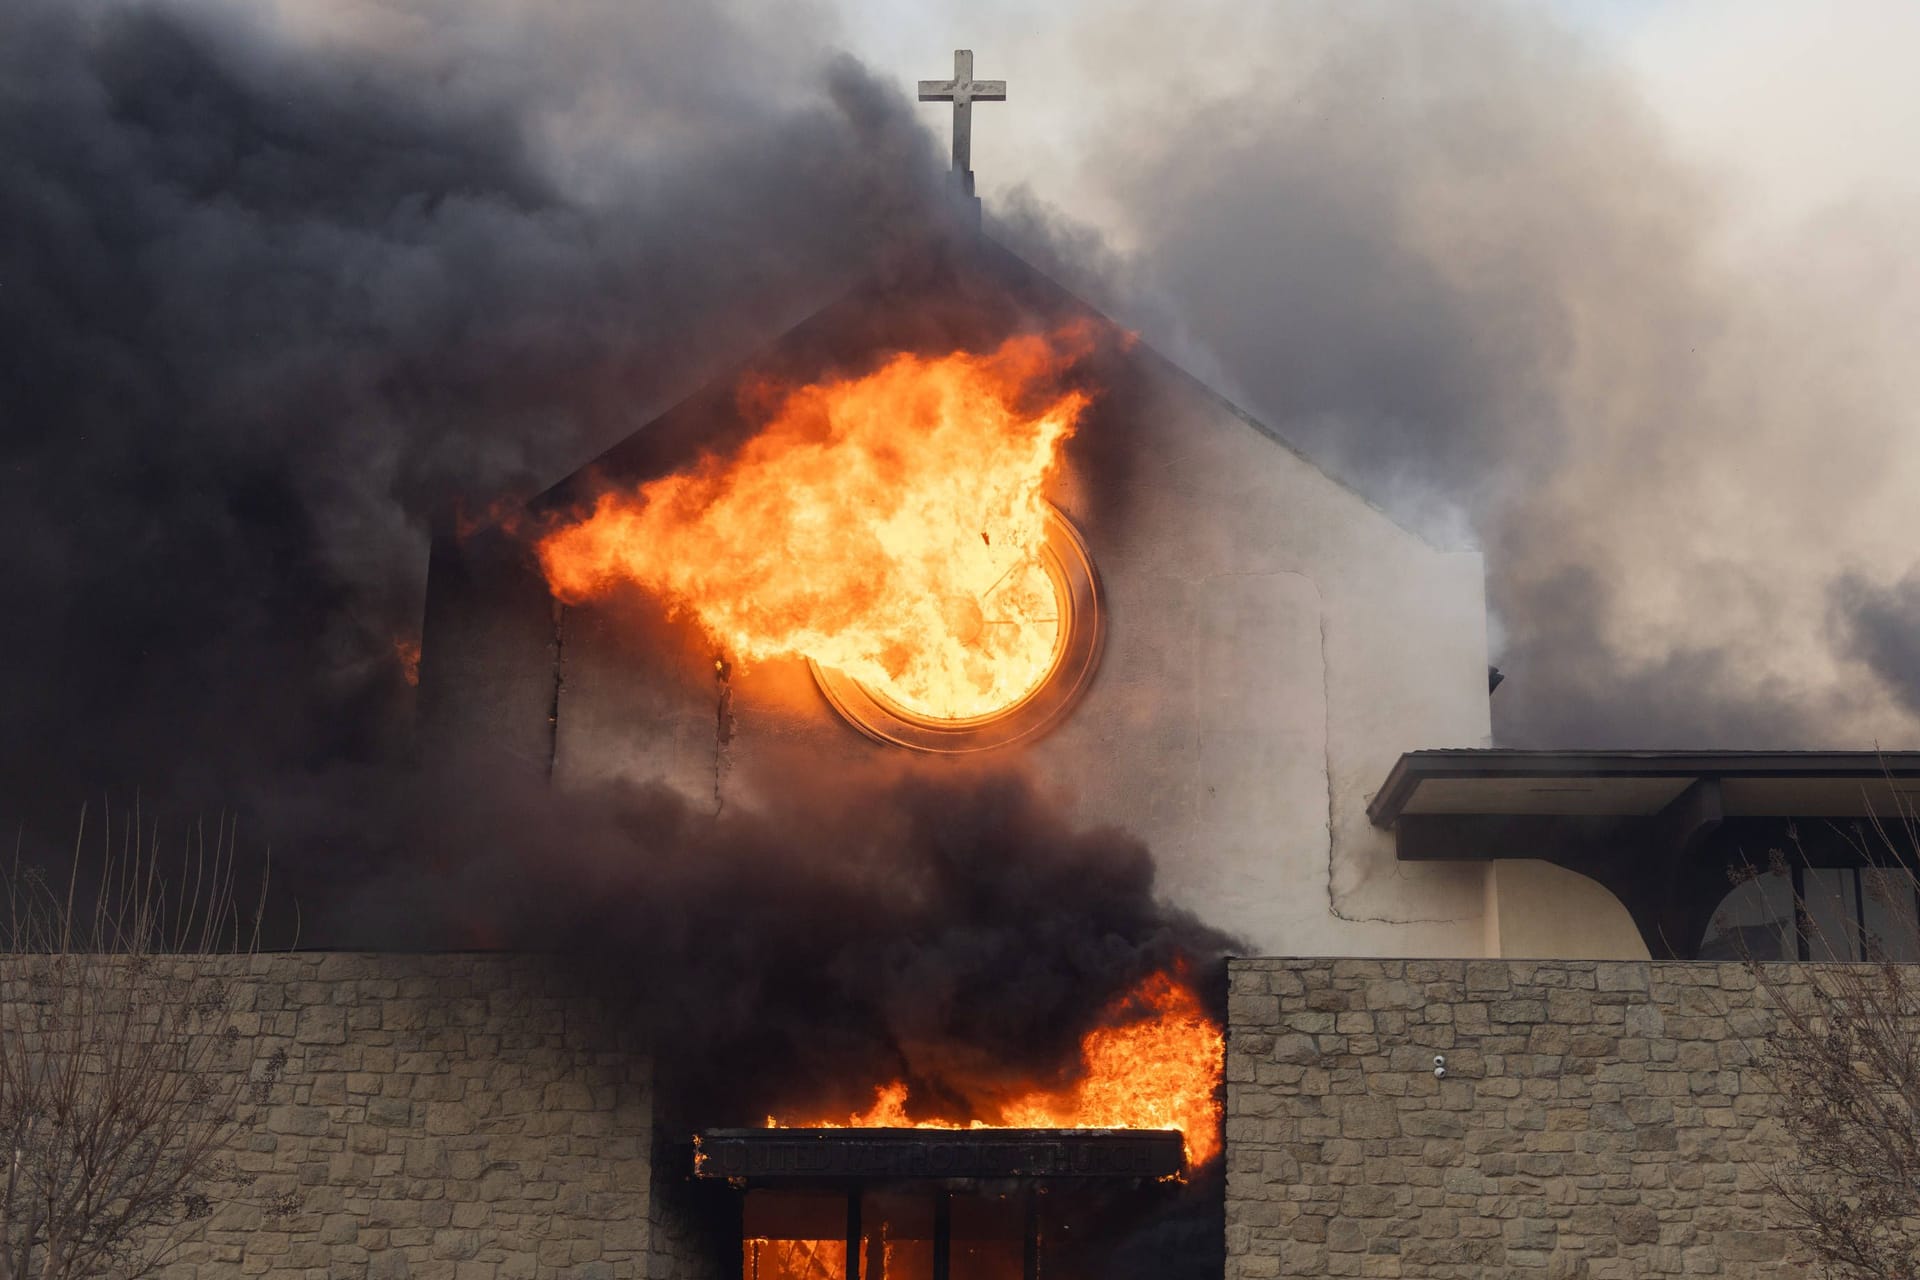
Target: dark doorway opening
{"x": 865, "y": 1204}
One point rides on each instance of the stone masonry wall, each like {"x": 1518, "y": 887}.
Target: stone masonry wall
{"x": 438, "y": 1117}
{"x": 1597, "y": 1120}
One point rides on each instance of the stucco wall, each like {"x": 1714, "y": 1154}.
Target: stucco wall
{"x": 446, "y": 1117}
{"x": 1597, "y": 1120}
{"x": 1276, "y": 643}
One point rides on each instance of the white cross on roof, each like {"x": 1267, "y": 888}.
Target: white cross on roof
{"x": 963, "y": 91}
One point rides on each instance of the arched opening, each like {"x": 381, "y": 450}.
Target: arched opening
{"x": 1853, "y": 913}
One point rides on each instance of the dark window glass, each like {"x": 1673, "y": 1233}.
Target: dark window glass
{"x": 1850, "y": 914}
{"x": 1889, "y": 916}
{"x": 1832, "y": 906}
{"x": 1755, "y": 920}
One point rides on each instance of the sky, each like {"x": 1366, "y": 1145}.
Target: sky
{"x": 1798, "y": 104}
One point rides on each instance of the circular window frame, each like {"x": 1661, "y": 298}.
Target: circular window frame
{"x": 1082, "y": 638}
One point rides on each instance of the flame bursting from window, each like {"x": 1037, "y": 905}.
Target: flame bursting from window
{"x": 890, "y": 526}
{"x": 1153, "y": 1063}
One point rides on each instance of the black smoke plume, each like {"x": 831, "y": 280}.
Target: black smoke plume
{"x": 270, "y": 303}
{"x": 940, "y": 925}
{"x": 275, "y": 301}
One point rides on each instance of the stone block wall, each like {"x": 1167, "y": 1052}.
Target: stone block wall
{"x": 1597, "y": 1120}
{"x": 438, "y": 1117}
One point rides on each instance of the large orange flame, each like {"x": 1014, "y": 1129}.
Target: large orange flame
{"x": 889, "y": 526}
{"x": 1153, "y": 1063}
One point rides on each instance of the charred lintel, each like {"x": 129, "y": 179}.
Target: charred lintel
{"x": 841, "y": 1154}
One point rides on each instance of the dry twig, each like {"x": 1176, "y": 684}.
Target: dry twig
{"x": 122, "y": 1076}
{"x": 1843, "y": 1060}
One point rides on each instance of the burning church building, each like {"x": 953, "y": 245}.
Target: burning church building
{"x": 958, "y": 526}
{"x": 1043, "y": 825}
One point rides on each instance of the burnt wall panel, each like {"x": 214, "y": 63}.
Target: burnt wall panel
{"x": 490, "y": 655}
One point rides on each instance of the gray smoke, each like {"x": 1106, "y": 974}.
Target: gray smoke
{"x": 1881, "y": 627}
{"x": 1450, "y": 252}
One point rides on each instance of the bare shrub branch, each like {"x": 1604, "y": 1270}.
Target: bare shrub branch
{"x": 1842, "y": 1058}
{"x": 122, "y": 1076}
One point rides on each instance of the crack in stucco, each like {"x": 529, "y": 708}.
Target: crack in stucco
{"x": 1326, "y": 757}
{"x": 1334, "y": 905}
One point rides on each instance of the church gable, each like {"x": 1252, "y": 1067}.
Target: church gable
{"x": 1253, "y": 616}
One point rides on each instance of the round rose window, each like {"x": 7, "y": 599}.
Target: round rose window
{"x": 1030, "y": 639}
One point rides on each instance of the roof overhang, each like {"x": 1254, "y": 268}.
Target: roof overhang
{"x": 1645, "y": 784}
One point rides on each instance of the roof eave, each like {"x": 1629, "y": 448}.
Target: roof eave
{"x": 1415, "y": 767}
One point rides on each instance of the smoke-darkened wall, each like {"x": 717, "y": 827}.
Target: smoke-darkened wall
{"x": 279, "y": 299}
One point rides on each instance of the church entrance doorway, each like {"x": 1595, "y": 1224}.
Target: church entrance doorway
{"x": 914, "y": 1204}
